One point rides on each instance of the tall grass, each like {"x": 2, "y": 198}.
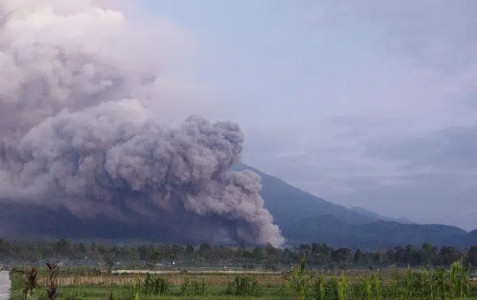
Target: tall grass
{"x": 418, "y": 284}
{"x": 299, "y": 281}
{"x": 422, "y": 284}
{"x": 459, "y": 281}
{"x": 243, "y": 286}
{"x": 194, "y": 287}
{"x": 31, "y": 282}
{"x": 52, "y": 285}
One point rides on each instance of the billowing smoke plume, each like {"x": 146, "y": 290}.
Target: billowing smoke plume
{"x": 68, "y": 140}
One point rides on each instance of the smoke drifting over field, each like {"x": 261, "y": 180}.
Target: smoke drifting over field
{"x": 69, "y": 139}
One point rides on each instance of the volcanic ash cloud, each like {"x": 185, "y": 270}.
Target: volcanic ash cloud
{"x": 112, "y": 160}
{"x": 69, "y": 140}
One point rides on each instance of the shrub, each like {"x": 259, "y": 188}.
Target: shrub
{"x": 31, "y": 282}
{"x": 148, "y": 284}
{"x": 135, "y": 288}
{"x": 342, "y": 287}
{"x": 299, "y": 281}
{"x": 459, "y": 281}
{"x": 161, "y": 286}
{"x": 368, "y": 288}
{"x": 318, "y": 288}
{"x": 243, "y": 286}
{"x": 194, "y": 287}
{"x": 331, "y": 289}
{"x": 52, "y": 285}
{"x": 436, "y": 284}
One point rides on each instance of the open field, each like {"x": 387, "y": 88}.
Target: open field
{"x": 351, "y": 284}
{"x": 123, "y": 292}
{"x": 215, "y": 278}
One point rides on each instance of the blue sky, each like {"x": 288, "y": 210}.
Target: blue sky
{"x": 369, "y": 105}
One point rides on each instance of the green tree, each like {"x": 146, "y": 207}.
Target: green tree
{"x": 471, "y": 256}
{"x": 358, "y": 257}
{"x": 449, "y": 255}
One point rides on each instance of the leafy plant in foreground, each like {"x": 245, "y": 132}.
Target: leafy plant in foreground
{"x": 299, "y": 281}
{"x": 148, "y": 284}
{"x": 459, "y": 281}
{"x": 194, "y": 287}
{"x": 31, "y": 282}
{"x": 52, "y": 286}
{"x": 342, "y": 287}
{"x": 243, "y": 286}
{"x": 161, "y": 286}
{"x": 318, "y": 288}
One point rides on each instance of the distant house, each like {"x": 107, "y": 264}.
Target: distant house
{"x": 104, "y": 271}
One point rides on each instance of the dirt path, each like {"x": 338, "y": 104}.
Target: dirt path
{"x": 4, "y": 285}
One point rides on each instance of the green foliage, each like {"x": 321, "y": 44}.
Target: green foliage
{"x": 243, "y": 286}
{"x": 73, "y": 296}
{"x": 422, "y": 284}
{"x": 148, "y": 256}
{"x": 318, "y": 288}
{"x": 342, "y": 287}
{"x": 459, "y": 281}
{"x": 135, "y": 288}
{"x": 419, "y": 284}
{"x": 471, "y": 256}
{"x": 194, "y": 287}
{"x": 367, "y": 288}
{"x": 161, "y": 286}
{"x": 331, "y": 289}
{"x": 148, "y": 284}
{"x": 31, "y": 282}
{"x": 299, "y": 281}
{"x": 52, "y": 285}
{"x": 436, "y": 284}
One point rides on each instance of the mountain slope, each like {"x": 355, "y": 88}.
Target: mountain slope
{"x": 305, "y": 218}
{"x": 288, "y": 203}
{"x": 302, "y": 217}
{"x": 379, "y": 217}
{"x": 379, "y": 234}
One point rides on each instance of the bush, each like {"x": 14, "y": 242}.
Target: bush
{"x": 52, "y": 285}
{"x": 299, "y": 281}
{"x": 243, "y": 286}
{"x": 31, "y": 282}
{"x": 135, "y": 288}
{"x": 318, "y": 288}
{"x": 436, "y": 284}
{"x": 459, "y": 281}
{"x": 368, "y": 288}
{"x": 161, "y": 286}
{"x": 331, "y": 289}
{"x": 148, "y": 284}
{"x": 194, "y": 287}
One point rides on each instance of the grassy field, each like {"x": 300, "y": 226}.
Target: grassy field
{"x": 299, "y": 284}
{"x": 97, "y": 292}
{"x": 121, "y": 287}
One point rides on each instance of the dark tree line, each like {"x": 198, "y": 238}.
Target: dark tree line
{"x": 177, "y": 256}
